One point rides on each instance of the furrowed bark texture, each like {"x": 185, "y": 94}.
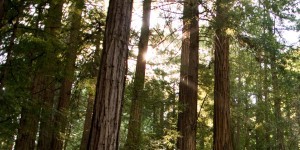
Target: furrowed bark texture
{"x": 187, "y": 117}
{"x": 222, "y": 134}
{"x": 221, "y": 94}
{"x": 61, "y": 117}
{"x": 134, "y": 130}
{"x": 104, "y": 132}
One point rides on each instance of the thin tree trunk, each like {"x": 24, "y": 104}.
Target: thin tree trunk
{"x": 106, "y": 119}
{"x": 236, "y": 136}
{"x": 188, "y": 86}
{"x": 277, "y": 106}
{"x": 2, "y": 12}
{"x": 87, "y": 122}
{"x": 259, "y": 130}
{"x": 247, "y": 126}
{"x": 5, "y": 70}
{"x": 161, "y": 120}
{"x": 298, "y": 113}
{"x": 266, "y": 112}
{"x": 202, "y": 135}
{"x": 133, "y": 140}
{"x": 222, "y": 134}
{"x": 61, "y": 117}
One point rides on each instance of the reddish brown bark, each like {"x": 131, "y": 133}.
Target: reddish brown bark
{"x": 105, "y": 127}
{"x": 87, "y": 122}
{"x": 1, "y": 12}
{"x": 61, "y": 117}
{"x": 222, "y": 133}
{"x": 47, "y": 73}
{"x": 28, "y": 125}
{"x": 134, "y": 127}
{"x": 188, "y": 86}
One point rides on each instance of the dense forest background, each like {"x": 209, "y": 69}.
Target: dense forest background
{"x": 200, "y": 74}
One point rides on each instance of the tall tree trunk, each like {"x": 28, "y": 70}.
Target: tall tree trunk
{"x": 247, "y": 126}
{"x": 222, "y": 136}
{"x": 2, "y": 12}
{"x": 279, "y": 137}
{"x": 9, "y": 50}
{"x": 297, "y": 108}
{"x": 106, "y": 119}
{"x": 87, "y": 122}
{"x": 266, "y": 112}
{"x": 28, "y": 125}
{"x": 133, "y": 140}
{"x": 61, "y": 116}
{"x": 5, "y": 70}
{"x": 47, "y": 73}
{"x": 188, "y": 86}
{"x": 259, "y": 113}
{"x": 90, "y": 105}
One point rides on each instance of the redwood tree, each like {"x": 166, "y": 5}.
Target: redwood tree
{"x": 47, "y": 73}
{"x": 105, "y": 126}
{"x": 222, "y": 134}
{"x": 87, "y": 121}
{"x": 134, "y": 129}
{"x": 61, "y": 117}
{"x": 1, "y": 12}
{"x": 187, "y": 117}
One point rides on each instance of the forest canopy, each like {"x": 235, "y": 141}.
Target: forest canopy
{"x": 149, "y": 74}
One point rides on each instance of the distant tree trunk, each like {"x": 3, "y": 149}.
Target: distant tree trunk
{"x": 222, "y": 134}
{"x": 279, "y": 135}
{"x": 27, "y": 130}
{"x": 87, "y": 122}
{"x": 161, "y": 120}
{"x": 266, "y": 112}
{"x": 236, "y": 126}
{"x": 61, "y": 117}
{"x": 188, "y": 86}
{"x": 259, "y": 113}
{"x": 298, "y": 112}
{"x": 259, "y": 131}
{"x": 28, "y": 125}
{"x": 105, "y": 126}
{"x": 238, "y": 135}
{"x": 133, "y": 140}
{"x": 202, "y": 136}
{"x": 47, "y": 73}
{"x": 9, "y": 49}
{"x": 292, "y": 136}
{"x": 2, "y": 12}
{"x": 97, "y": 54}
{"x": 247, "y": 126}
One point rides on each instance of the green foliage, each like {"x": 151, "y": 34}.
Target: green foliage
{"x": 254, "y": 28}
